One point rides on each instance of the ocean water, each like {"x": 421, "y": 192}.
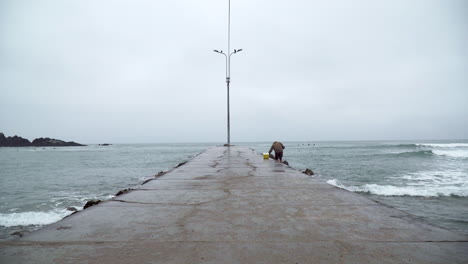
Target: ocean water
{"x": 39, "y": 184}
{"x": 428, "y": 179}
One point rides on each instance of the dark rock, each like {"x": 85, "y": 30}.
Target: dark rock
{"x": 123, "y": 191}
{"x": 17, "y": 233}
{"x": 19, "y": 141}
{"x": 180, "y": 164}
{"x": 148, "y": 180}
{"x": 3, "y": 140}
{"x": 64, "y": 227}
{"x": 285, "y": 162}
{"x": 51, "y": 142}
{"x": 105, "y": 144}
{"x": 72, "y": 209}
{"x": 308, "y": 172}
{"x": 14, "y": 141}
{"x": 91, "y": 203}
{"x": 161, "y": 173}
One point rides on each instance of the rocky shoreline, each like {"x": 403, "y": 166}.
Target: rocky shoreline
{"x": 17, "y": 141}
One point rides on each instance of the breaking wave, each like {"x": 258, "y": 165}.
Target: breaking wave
{"x": 458, "y": 153}
{"x": 421, "y": 153}
{"x": 453, "y": 153}
{"x": 390, "y": 190}
{"x": 32, "y": 218}
{"x": 444, "y": 145}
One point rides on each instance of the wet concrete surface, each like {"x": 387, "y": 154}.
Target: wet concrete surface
{"x": 228, "y": 205}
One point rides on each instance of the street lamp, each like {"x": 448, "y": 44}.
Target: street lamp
{"x": 228, "y": 80}
{"x": 228, "y": 72}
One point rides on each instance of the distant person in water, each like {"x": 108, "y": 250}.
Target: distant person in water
{"x": 278, "y": 148}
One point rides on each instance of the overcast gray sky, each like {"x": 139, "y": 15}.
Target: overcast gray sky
{"x": 145, "y": 71}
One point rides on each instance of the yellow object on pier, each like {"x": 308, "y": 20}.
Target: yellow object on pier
{"x": 266, "y": 155}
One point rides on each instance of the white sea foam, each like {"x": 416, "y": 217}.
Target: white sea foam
{"x": 32, "y": 218}
{"x": 427, "y": 184}
{"x": 444, "y": 145}
{"x": 437, "y": 178}
{"x": 457, "y": 153}
{"x": 336, "y": 183}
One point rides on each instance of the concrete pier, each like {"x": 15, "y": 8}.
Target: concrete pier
{"x": 228, "y": 205}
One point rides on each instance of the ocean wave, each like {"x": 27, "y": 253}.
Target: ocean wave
{"x": 32, "y": 218}
{"x": 454, "y": 153}
{"x": 443, "y": 145}
{"x": 425, "y": 145}
{"x": 420, "y": 153}
{"x": 459, "y": 153}
{"x": 395, "y": 145}
{"x": 436, "y": 178}
{"x": 404, "y": 145}
{"x": 390, "y": 190}
{"x": 371, "y": 146}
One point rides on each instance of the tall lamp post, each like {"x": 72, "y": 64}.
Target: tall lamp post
{"x": 228, "y": 80}
{"x": 228, "y": 72}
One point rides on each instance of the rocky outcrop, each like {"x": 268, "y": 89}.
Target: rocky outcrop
{"x": 91, "y": 203}
{"x": 51, "y": 142}
{"x": 161, "y": 173}
{"x": 17, "y": 233}
{"x": 72, "y": 209}
{"x": 16, "y": 141}
{"x": 124, "y": 191}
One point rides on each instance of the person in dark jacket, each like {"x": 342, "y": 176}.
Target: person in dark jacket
{"x": 278, "y": 148}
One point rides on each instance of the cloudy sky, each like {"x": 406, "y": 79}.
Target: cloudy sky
{"x": 137, "y": 71}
